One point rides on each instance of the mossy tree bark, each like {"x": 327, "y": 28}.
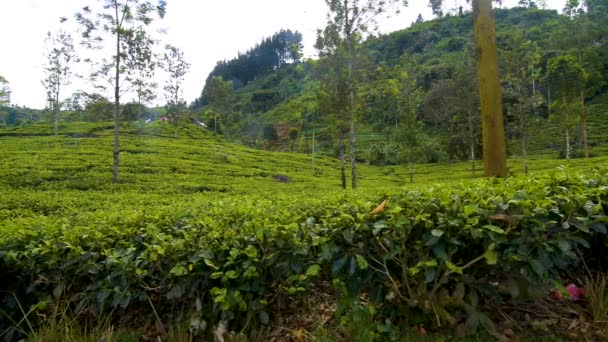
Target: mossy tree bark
{"x": 494, "y": 150}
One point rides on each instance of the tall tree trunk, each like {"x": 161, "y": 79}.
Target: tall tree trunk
{"x": 472, "y": 142}
{"x": 313, "y": 151}
{"x": 117, "y": 106}
{"x": 549, "y": 96}
{"x": 567, "y": 143}
{"x": 56, "y": 114}
{"x": 411, "y": 162}
{"x": 351, "y": 86}
{"x": 342, "y": 161}
{"x": 533, "y": 83}
{"x": 353, "y": 159}
{"x": 524, "y": 147}
{"x": 140, "y": 109}
{"x": 494, "y": 150}
{"x": 176, "y": 110}
{"x": 567, "y": 130}
{"x": 584, "y": 125}
{"x": 351, "y": 93}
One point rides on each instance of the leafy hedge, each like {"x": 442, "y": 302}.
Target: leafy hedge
{"x": 436, "y": 255}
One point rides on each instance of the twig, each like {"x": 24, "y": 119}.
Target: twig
{"x": 160, "y": 323}
{"x": 450, "y": 272}
{"x": 386, "y": 272}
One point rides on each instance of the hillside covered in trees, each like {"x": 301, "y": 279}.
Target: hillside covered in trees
{"x": 552, "y": 66}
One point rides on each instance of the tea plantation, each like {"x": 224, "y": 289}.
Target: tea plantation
{"x": 201, "y": 236}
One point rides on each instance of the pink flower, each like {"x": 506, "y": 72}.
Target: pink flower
{"x": 575, "y": 292}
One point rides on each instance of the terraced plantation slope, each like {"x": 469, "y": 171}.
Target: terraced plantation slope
{"x": 203, "y": 231}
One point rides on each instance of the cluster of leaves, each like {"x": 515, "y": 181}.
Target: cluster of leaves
{"x": 440, "y": 254}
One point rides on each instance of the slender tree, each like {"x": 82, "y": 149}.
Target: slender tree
{"x": 466, "y": 102}
{"x": 333, "y": 91}
{"x": 5, "y": 91}
{"x": 176, "y": 67}
{"x": 521, "y": 58}
{"x": 569, "y": 77}
{"x": 5, "y": 98}
{"x": 116, "y": 22}
{"x": 348, "y": 21}
{"x": 60, "y": 56}
{"x": 409, "y": 99}
{"x": 143, "y": 63}
{"x": 220, "y": 101}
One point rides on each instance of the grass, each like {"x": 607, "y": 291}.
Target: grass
{"x": 596, "y": 296}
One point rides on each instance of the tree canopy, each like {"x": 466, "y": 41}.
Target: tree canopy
{"x": 271, "y": 53}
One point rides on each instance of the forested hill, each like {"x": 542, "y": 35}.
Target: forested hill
{"x": 280, "y": 108}
{"x": 273, "y": 52}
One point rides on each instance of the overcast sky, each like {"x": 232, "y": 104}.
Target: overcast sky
{"x": 205, "y": 30}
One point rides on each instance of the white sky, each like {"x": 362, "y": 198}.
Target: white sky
{"x": 205, "y": 30}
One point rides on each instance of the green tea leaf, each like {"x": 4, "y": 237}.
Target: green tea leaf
{"x": 470, "y": 209}
{"x": 231, "y": 274}
{"x": 491, "y": 257}
{"x": 437, "y": 232}
{"x": 452, "y": 267}
{"x": 494, "y": 228}
{"x": 251, "y": 252}
{"x": 313, "y": 270}
{"x": 361, "y": 262}
{"x": 179, "y": 270}
{"x": 211, "y": 264}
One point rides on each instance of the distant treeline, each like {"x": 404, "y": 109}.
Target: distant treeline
{"x": 283, "y": 47}
{"x": 79, "y": 107}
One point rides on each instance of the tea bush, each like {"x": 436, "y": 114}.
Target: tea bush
{"x": 439, "y": 254}
{"x": 200, "y": 228}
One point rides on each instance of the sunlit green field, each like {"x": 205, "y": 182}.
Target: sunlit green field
{"x": 46, "y": 176}
{"x": 197, "y": 161}
{"x": 194, "y": 215}
{"x": 43, "y": 174}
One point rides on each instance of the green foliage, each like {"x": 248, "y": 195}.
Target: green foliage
{"x": 194, "y": 222}
{"x": 98, "y": 108}
{"x": 568, "y": 76}
{"x": 60, "y": 54}
{"x": 220, "y": 103}
{"x": 273, "y": 52}
{"x": 441, "y": 51}
{"x": 5, "y": 93}
{"x": 176, "y": 66}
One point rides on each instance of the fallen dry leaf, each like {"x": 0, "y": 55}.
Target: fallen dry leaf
{"x": 380, "y": 208}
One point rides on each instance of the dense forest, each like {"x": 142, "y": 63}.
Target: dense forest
{"x": 548, "y": 61}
